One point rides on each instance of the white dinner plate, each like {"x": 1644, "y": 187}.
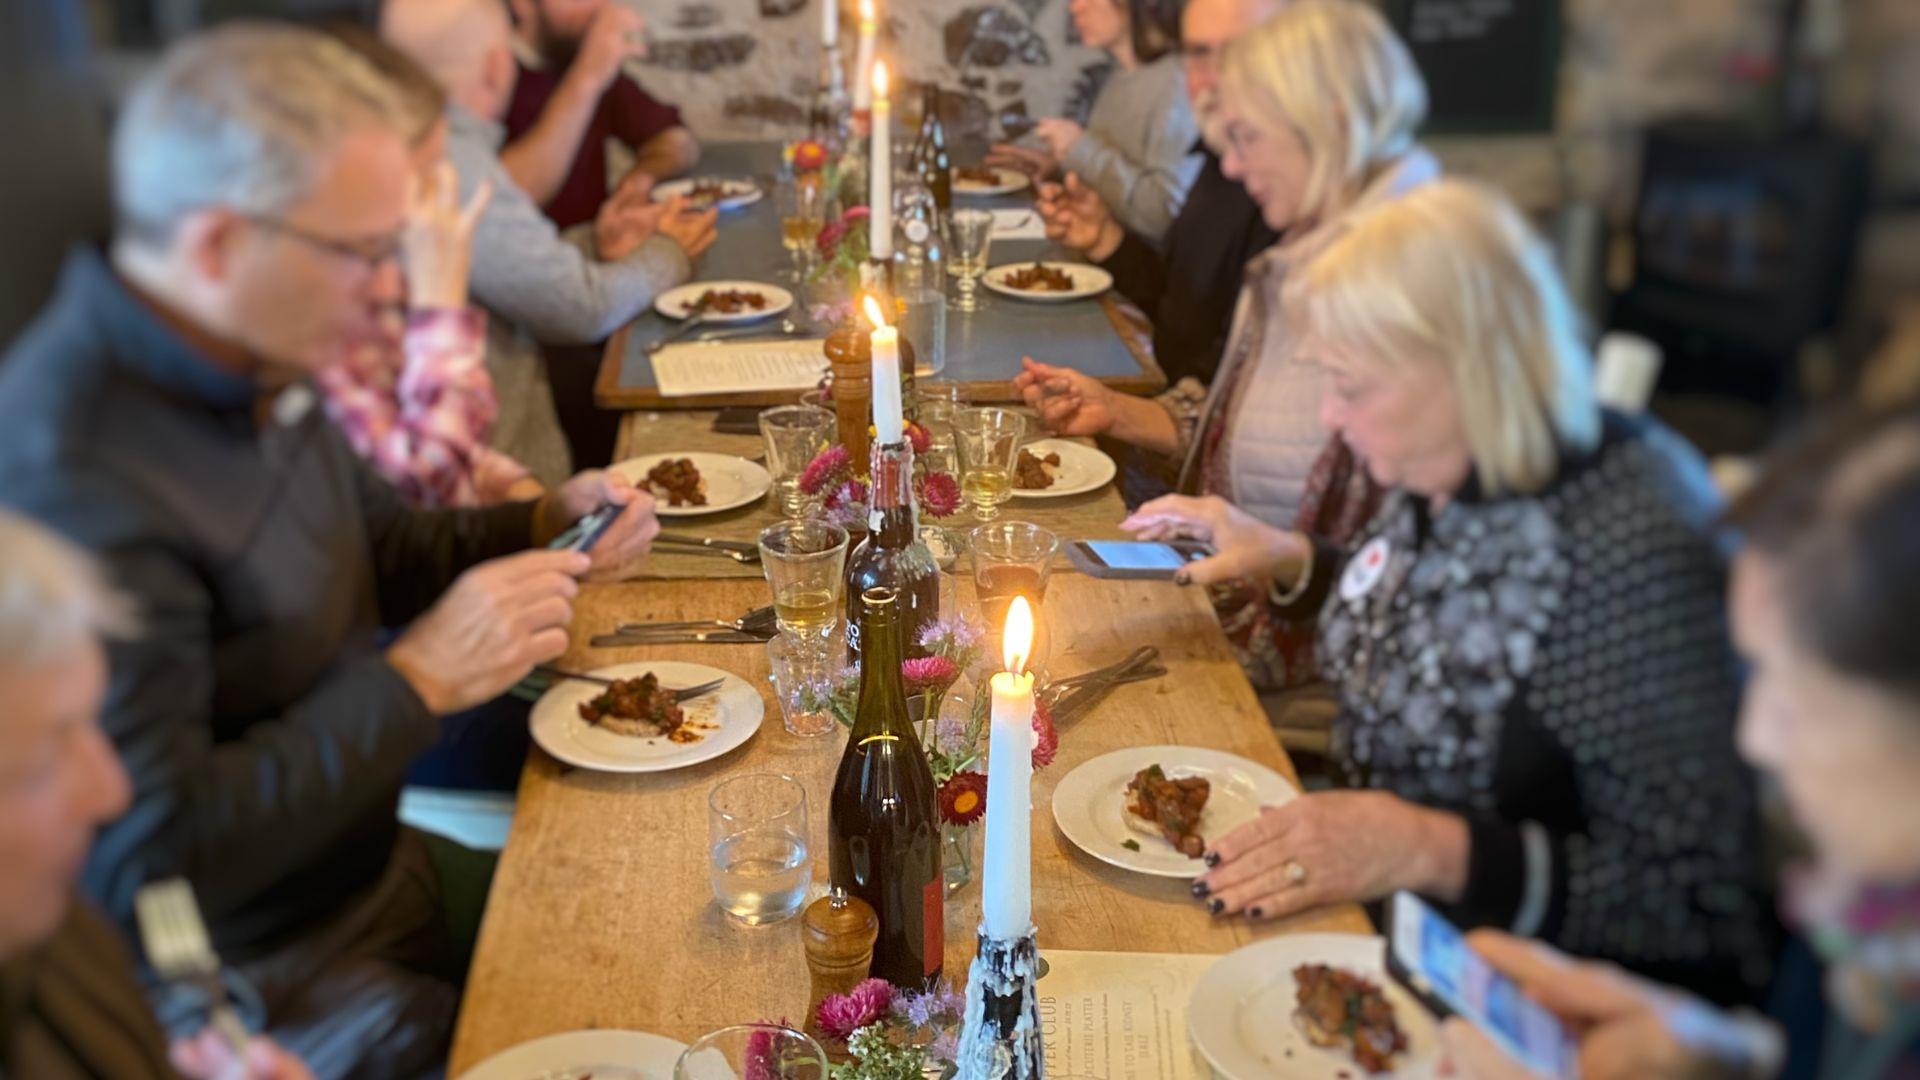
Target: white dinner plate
{"x": 1081, "y": 469}
{"x": 677, "y": 302}
{"x": 1089, "y": 804}
{"x": 735, "y": 191}
{"x": 729, "y": 482}
{"x": 608, "y": 1054}
{"x": 1241, "y": 1012}
{"x": 1088, "y": 281}
{"x": 1011, "y": 180}
{"x": 726, "y": 718}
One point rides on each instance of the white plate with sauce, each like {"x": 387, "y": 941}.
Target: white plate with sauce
{"x": 1089, "y": 804}
{"x": 715, "y": 723}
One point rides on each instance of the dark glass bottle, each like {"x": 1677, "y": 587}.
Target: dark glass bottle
{"x": 883, "y": 826}
{"x": 930, "y": 159}
{"x": 892, "y": 554}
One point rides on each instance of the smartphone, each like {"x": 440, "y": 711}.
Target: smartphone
{"x": 1431, "y": 957}
{"x": 584, "y": 533}
{"x": 1136, "y": 559}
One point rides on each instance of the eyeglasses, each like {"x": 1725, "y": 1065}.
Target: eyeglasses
{"x": 371, "y": 251}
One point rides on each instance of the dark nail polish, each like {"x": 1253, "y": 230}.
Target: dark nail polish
{"x": 1212, "y": 858}
{"x": 1200, "y": 889}
{"x": 1256, "y": 913}
{"x": 1216, "y": 905}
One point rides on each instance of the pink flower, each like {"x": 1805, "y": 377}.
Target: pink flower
{"x": 929, "y": 673}
{"x": 761, "y": 1062}
{"x": 843, "y": 1014}
{"x": 1047, "y": 741}
{"x": 827, "y": 467}
{"x": 855, "y": 213}
{"x": 939, "y": 493}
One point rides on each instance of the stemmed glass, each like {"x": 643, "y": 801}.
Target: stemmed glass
{"x": 794, "y": 435}
{"x": 969, "y": 237}
{"x": 988, "y": 441}
{"x": 802, "y": 203}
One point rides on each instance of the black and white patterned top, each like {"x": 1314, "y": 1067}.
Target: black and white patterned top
{"x": 1556, "y": 669}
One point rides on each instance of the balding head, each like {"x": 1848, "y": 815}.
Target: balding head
{"x": 465, "y": 44}
{"x": 1205, "y": 28}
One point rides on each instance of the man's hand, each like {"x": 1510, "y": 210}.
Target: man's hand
{"x": 623, "y": 224}
{"x": 1077, "y": 217}
{"x": 616, "y": 35}
{"x": 438, "y": 241}
{"x": 624, "y": 542}
{"x": 498, "y": 620}
{"x": 1036, "y": 163}
{"x": 694, "y": 231}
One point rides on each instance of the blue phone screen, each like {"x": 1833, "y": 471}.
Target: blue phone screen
{"x": 1472, "y": 988}
{"x": 1135, "y": 555}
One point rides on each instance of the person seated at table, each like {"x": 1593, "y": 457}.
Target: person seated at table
{"x": 1136, "y": 150}
{"x": 421, "y": 410}
{"x": 1536, "y": 690}
{"x": 573, "y": 97}
{"x": 1824, "y": 600}
{"x": 540, "y": 286}
{"x": 1318, "y": 106}
{"x": 74, "y": 1005}
{"x": 1189, "y": 290}
{"x": 157, "y": 414}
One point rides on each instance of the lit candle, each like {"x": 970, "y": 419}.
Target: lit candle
{"x": 880, "y": 189}
{"x": 829, "y": 23}
{"x": 888, "y": 425}
{"x": 863, "y": 57}
{"x": 1006, "y": 889}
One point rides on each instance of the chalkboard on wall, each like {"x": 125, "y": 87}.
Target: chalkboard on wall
{"x": 1492, "y": 66}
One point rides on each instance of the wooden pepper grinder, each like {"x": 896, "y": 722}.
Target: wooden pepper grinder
{"x": 839, "y": 930}
{"x": 851, "y": 354}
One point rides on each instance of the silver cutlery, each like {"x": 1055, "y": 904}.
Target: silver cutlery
{"x": 738, "y": 550}
{"x": 682, "y": 637}
{"x": 671, "y": 548}
{"x": 681, "y": 695}
{"x": 694, "y": 320}
{"x": 175, "y": 937}
{"x": 751, "y": 331}
{"x": 760, "y": 618}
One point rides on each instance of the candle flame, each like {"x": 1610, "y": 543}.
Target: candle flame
{"x": 866, "y": 11}
{"x": 1016, "y": 641}
{"x": 874, "y": 315}
{"x": 880, "y": 78}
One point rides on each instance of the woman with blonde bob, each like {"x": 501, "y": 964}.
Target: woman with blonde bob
{"x": 1537, "y": 692}
{"x": 1318, "y": 108}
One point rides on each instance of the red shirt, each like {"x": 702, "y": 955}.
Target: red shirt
{"x": 625, "y": 112}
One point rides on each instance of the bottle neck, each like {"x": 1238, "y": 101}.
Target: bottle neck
{"x": 882, "y": 707}
{"x": 892, "y": 519}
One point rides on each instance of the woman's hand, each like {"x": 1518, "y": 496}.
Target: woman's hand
{"x": 1059, "y": 134}
{"x": 1077, "y": 217}
{"x": 208, "y": 1056}
{"x": 1332, "y": 847}
{"x": 1036, "y": 163}
{"x": 1069, "y": 402}
{"x": 1243, "y": 545}
{"x": 438, "y": 240}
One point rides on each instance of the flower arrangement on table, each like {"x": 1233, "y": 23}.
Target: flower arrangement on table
{"x": 843, "y": 245}
{"x": 844, "y": 493}
{"x": 893, "y": 1034}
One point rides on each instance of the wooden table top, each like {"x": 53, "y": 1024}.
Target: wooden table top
{"x": 601, "y": 913}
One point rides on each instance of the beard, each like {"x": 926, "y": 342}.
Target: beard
{"x": 555, "y": 49}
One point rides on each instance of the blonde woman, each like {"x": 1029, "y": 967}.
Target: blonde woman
{"x": 1536, "y": 687}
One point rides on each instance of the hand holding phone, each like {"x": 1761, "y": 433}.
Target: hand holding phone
{"x": 1134, "y": 559}
{"x": 584, "y": 533}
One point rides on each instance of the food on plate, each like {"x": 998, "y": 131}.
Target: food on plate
{"x": 705, "y": 193}
{"x": 639, "y": 707}
{"x": 728, "y": 302}
{"x": 1337, "y": 1008}
{"x": 1034, "y": 473}
{"x": 979, "y": 175}
{"x": 1159, "y": 805}
{"x": 1039, "y": 278}
{"x": 677, "y": 481}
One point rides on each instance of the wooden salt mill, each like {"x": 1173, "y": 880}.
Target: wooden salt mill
{"x": 839, "y": 930}
{"x": 850, "y": 352}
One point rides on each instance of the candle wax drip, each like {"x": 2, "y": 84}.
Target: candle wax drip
{"x": 1000, "y": 1036}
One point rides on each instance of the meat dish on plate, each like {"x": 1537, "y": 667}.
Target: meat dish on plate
{"x": 1339, "y": 1009}
{"x": 1039, "y": 278}
{"x": 678, "y": 481}
{"x": 1168, "y": 808}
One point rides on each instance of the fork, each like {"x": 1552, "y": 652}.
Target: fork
{"x": 757, "y": 619}
{"x": 679, "y": 696}
{"x": 695, "y": 320}
{"x": 177, "y": 945}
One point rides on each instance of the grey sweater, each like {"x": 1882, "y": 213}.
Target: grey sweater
{"x": 1138, "y": 152}
{"x": 542, "y": 287}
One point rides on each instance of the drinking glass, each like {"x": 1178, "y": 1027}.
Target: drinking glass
{"x": 1013, "y": 558}
{"x": 988, "y": 440}
{"x": 753, "y": 1051}
{"x": 794, "y": 435}
{"x": 806, "y": 563}
{"x": 802, "y": 205}
{"x": 798, "y": 667}
{"x": 936, "y": 401}
{"x": 759, "y": 860}
{"x": 969, "y": 237}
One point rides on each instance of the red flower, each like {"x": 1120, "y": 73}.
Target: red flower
{"x": 963, "y": 798}
{"x": 929, "y": 673}
{"x": 809, "y": 156}
{"x": 1047, "y": 737}
{"x": 853, "y": 214}
{"x": 827, "y": 466}
{"x": 848, "y": 493}
{"x": 919, "y": 437}
{"x": 843, "y": 1014}
{"x": 938, "y": 492}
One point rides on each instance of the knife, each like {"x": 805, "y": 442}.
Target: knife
{"x": 679, "y": 637}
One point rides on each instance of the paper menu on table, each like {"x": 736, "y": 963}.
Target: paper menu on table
{"x": 738, "y": 367}
{"x": 1018, "y": 225}
{"x": 1120, "y": 1016}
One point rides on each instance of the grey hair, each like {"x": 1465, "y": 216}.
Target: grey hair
{"x": 241, "y": 116}
{"x": 53, "y": 595}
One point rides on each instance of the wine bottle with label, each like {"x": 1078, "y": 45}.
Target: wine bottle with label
{"x": 892, "y": 555}
{"x": 883, "y": 831}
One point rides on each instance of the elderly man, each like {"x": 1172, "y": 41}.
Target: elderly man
{"x": 541, "y": 287}
{"x": 573, "y": 98}
{"x": 157, "y": 413}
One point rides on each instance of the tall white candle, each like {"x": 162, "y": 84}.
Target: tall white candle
{"x": 863, "y": 57}
{"x": 829, "y": 23}
{"x": 889, "y": 424}
{"x": 1006, "y": 880}
{"x": 880, "y": 188}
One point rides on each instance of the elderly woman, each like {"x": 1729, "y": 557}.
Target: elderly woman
{"x": 1136, "y": 150}
{"x": 1537, "y": 693}
{"x": 70, "y": 1005}
{"x": 1319, "y": 105}
{"x": 1825, "y": 597}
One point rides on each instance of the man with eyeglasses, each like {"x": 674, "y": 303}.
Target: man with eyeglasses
{"x": 158, "y": 413}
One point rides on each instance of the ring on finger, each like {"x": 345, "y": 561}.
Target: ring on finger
{"x": 1296, "y": 873}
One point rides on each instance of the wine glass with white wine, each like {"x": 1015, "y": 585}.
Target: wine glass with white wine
{"x": 988, "y": 441}
{"x": 806, "y": 563}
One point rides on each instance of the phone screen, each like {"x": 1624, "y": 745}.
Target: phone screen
{"x": 1434, "y": 952}
{"x": 1138, "y": 555}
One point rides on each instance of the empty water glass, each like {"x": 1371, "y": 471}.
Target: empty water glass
{"x": 970, "y": 237}
{"x": 806, "y": 563}
{"x": 988, "y": 441}
{"x": 803, "y": 674}
{"x": 752, "y": 1051}
{"x": 795, "y": 435}
{"x": 759, "y": 858}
